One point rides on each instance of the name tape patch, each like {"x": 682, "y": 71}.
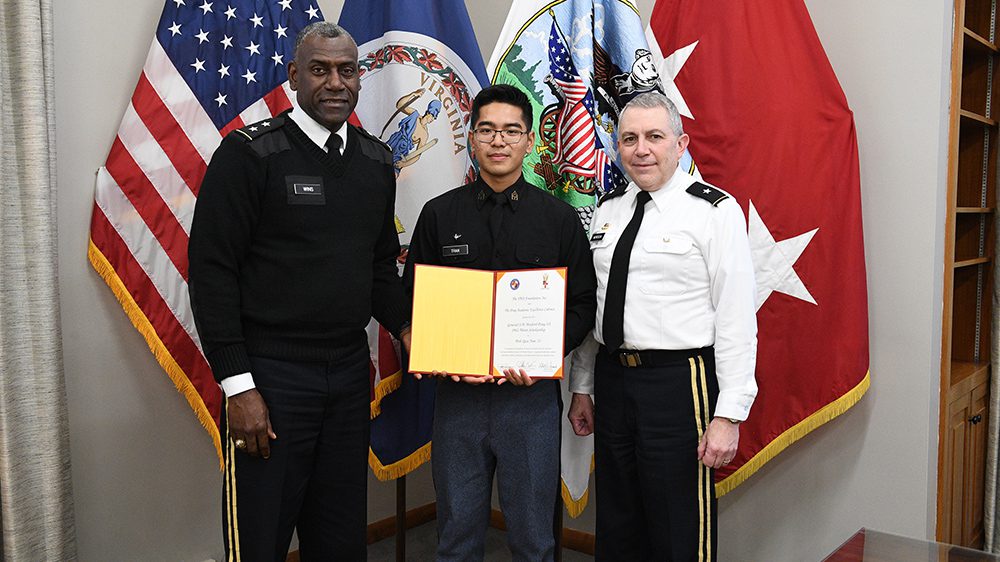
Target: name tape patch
{"x": 456, "y": 250}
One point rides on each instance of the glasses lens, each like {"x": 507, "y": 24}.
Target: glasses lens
{"x": 511, "y": 136}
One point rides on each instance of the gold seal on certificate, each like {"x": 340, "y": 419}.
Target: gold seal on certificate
{"x": 476, "y": 322}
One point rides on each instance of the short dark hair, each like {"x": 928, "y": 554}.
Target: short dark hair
{"x": 326, "y": 29}
{"x": 502, "y": 93}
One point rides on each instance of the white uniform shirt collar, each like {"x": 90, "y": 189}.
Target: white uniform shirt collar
{"x": 316, "y": 132}
{"x": 679, "y": 181}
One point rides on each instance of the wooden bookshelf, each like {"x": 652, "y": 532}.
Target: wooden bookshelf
{"x": 969, "y": 270}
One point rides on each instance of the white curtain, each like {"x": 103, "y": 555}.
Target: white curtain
{"x": 36, "y": 502}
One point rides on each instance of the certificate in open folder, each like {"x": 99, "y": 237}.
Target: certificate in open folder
{"x": 480, "y": 322}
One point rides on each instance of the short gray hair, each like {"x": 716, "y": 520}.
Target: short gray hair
{"x": 653, "y": 100}
{"x": 323, "y": 29}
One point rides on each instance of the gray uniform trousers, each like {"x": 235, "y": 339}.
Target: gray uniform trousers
{"x": 510, "y": 430}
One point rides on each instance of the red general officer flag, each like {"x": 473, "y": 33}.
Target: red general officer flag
{"x": 770, "y": 124}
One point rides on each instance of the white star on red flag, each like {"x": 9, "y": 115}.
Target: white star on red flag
{"x": 773, "y": 261}
{"x": 669, "y": 69}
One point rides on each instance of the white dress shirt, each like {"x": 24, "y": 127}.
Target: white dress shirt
{"x": 316, "y": 132}
{"x": 690, "y": 285}
{"x": 319, "y": 134}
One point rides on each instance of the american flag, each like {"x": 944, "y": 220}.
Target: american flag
{"x": 214, "y": 66}
{"x": 609, "y": 177}
{"x": 575, "y": 133}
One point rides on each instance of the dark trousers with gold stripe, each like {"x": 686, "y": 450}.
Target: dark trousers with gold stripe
{"x": 316, "y": 479}
{"x": 655, "y": 499}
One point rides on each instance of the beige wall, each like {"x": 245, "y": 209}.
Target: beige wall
{"x": 144, "y": 472}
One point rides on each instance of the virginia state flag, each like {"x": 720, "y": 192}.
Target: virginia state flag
{"x": 770, "y": 124}
{"x": 579, "y": 62}
{"x": 420, "y": 67}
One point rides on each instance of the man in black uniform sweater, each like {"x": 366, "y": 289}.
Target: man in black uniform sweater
{"x": 293, "y": 248}
{"x": 500, "y": 221}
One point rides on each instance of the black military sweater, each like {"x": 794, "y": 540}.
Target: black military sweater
{"x": 292, "y": 250}
{"x": 536, "y": 230}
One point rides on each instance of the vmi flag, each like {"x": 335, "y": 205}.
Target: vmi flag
{"x": 211, "y": 68}
{"x": 579, "y": 62}
{"x": 420, "y": 68}
{"x": 770, "y": 124}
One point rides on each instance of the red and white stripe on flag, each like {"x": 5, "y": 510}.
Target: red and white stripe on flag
{"x": 143, "y": 205}
{"x": 575, "y": 137}
{"x": 770, "y": 124}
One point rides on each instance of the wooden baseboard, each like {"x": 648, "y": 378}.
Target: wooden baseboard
{"x": 578, "y": 541}
{"x": 571, "y": 538}
{"x": 385, "y": 528}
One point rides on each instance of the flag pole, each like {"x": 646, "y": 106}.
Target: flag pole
{"x": 401, "y": 519}
{"x": 557, "y": 525}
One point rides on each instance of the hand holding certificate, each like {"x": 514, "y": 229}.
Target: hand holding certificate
{"x": 475, "y": 322}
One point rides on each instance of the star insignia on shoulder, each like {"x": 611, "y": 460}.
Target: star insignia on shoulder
{"x": 255, "y": 130}
{"x": 708, "y": 193}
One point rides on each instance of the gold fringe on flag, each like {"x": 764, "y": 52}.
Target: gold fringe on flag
{"x": 385, "y": 387}
{"x": 793, "y": 434}
{"x": 163, "y": 357}
{"x": 401, "y": 467}
{"x": 576, "y": 506}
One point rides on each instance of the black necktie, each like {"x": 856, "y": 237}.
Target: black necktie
{"x": 496, "y": 216}
{"x": 614, "y": 297}
{"x": 333, "y": 146}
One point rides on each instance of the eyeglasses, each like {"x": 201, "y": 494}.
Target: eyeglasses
{"x": 509, "y": 136}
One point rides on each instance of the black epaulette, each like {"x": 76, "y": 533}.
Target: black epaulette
{"x": 256, "y": 130}
{"x": 258, "y": 137}
{"x": 616, "y": 192}
{"x": 373, "y": 147}
{"x": 708, "y": 193}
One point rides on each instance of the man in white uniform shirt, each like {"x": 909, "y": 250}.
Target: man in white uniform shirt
{"x": 671, "y": 359}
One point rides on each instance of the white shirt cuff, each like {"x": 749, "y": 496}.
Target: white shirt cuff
{"x": 581, "y": 373}
{"x": 237, "y": 383}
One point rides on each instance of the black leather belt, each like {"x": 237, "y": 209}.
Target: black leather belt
{"x": 653, "y": 357}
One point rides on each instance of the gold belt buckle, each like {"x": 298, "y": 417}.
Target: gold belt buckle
{"x": 629, "y": 359}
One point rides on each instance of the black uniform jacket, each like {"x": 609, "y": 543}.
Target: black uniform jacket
{"x": 531, "y": 230}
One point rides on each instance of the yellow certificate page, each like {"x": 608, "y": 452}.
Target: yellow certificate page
{"x": 452, "y": 320}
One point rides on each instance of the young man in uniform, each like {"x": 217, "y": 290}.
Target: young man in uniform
{"x": 501, "y": 222}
